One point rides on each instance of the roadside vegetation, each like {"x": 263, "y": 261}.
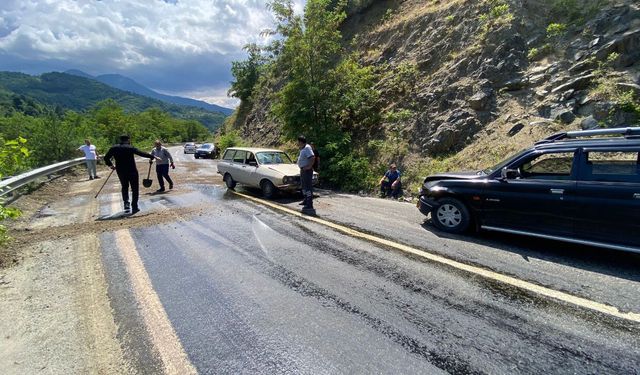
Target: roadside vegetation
{"x": 13, "y": 157}
{"x": 324, "y": 92}
{"x": 53, "y": 134}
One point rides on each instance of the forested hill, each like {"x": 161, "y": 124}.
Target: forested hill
{"x": 72, "y": 92}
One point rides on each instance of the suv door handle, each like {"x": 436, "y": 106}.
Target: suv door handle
{"x": 557, "y": 191}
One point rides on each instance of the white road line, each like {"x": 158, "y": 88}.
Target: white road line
{"x": 509, "y": 280}
{"x": 163, "y": 336}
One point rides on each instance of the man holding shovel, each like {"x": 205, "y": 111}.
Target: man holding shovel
{"x": 162, "y": 165}
{"x": 126, "y": 168}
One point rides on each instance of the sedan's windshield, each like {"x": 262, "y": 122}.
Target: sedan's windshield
{"x": 206, "y": 145}
{"x": 502, "y": 164}
{"x": 273, "y": 157}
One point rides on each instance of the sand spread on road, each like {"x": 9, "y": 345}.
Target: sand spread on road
{"x": 55, "y": 311}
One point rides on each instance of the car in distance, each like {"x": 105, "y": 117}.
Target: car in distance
{"x": 581, "y": 187}
{"x": 268, "y": 169}
{"x": 189, "y": 148}
{"x": 205, "y": 151}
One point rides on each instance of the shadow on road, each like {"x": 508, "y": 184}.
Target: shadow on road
{"x": 605, "y": 261}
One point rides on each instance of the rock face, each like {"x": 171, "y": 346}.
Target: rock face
{"x": 563, "y": 115}
{"x": 627, "y": 45}
{"x": 578, "y": 83}
{"x": 465, "y": 82}
{"x": 480, "y": 101}
{"x": 515, "y": 129}
{"x": 589, "y": 123}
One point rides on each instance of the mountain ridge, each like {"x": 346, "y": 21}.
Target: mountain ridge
{"x": 77, "y": 93}
{"x": 127, "y": 84}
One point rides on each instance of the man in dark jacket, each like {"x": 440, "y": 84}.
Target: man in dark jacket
{"x": 126, "y": 169}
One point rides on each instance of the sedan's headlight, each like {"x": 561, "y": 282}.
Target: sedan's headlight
{"x": 287, "y": 180}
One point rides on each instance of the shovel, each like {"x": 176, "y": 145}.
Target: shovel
{"x": 147, "y": 181}
{"x": 105, "y": 182}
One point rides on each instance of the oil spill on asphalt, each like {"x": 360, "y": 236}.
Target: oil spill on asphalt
{"x": 504, "y": 319}
{"x": 306, "y": 288}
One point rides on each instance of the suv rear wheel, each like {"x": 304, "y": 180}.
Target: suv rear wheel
{"x": 228, "y": 180}
{"x": 451, "y": 216}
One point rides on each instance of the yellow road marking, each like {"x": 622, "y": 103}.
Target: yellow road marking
{"x": 163, "y": 336}
{"x": 509, "y": 280}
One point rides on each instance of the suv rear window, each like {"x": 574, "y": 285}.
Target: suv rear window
{"x": 609, "y": 166}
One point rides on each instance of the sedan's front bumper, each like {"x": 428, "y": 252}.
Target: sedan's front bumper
{"x": 426, "y": 204}
{"x": 295, "y": 185}
{"x": 289, "y": 187}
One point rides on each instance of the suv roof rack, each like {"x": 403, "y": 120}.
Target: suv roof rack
{"x": 623, "y": 132}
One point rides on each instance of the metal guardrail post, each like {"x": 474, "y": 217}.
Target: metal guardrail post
{"x": 9, "y": 185}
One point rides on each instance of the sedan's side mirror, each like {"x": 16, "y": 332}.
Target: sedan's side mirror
{"x": 509, "y": 174}
{"x": 253, "y": 163}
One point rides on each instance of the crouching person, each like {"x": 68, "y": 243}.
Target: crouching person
{"x": 390, "y": 183}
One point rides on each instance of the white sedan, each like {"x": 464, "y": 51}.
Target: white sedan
{"x": 267, "y": 169}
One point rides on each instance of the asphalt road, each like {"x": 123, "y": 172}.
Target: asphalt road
{"x": 217, "y": 283}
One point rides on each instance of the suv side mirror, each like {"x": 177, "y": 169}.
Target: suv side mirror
{"x": 509, "y": 174}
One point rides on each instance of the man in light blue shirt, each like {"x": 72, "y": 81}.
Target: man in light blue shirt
{"x": 305, "y": 162}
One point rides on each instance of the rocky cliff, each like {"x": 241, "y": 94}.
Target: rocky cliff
{"x": 464, "y": 82}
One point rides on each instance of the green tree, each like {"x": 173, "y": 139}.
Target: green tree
{"x": 13, "y": 159}
{"x": 311, "y": 52}
{"x": 246, "y": 73}
{"x": 328, "y": 97}
{"x": 286, "y": 23}
{"x": 110, "y": 119}
{"x": 13, "y": 156}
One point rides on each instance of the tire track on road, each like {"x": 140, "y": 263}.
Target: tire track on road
{"x": 488, "y": 274}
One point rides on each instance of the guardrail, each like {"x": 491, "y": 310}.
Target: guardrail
{"x": 11, "y": 184}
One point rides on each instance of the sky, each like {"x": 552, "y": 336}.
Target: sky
{"x": 177, "y": 47}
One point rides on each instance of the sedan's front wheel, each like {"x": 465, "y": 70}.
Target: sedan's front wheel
{"x": 228, "y": 180}
{"x": 268, "y": 189}
{"x": 451, "y": 216}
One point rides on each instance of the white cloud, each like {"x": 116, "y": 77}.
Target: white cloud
{"x": 153, "y": 41}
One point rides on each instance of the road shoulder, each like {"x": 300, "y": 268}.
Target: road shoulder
{"x": 55, "y": 314}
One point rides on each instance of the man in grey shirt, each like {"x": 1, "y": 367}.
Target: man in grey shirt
{"x": 305, "y": 162}
{"x": 162, "y": 165}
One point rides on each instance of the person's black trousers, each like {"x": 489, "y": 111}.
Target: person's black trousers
{"x": 162, "y": 171}
{"x": 386, "y": 189}
{"x": 306, "y": 180}
{"x": 130, "y": 178}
